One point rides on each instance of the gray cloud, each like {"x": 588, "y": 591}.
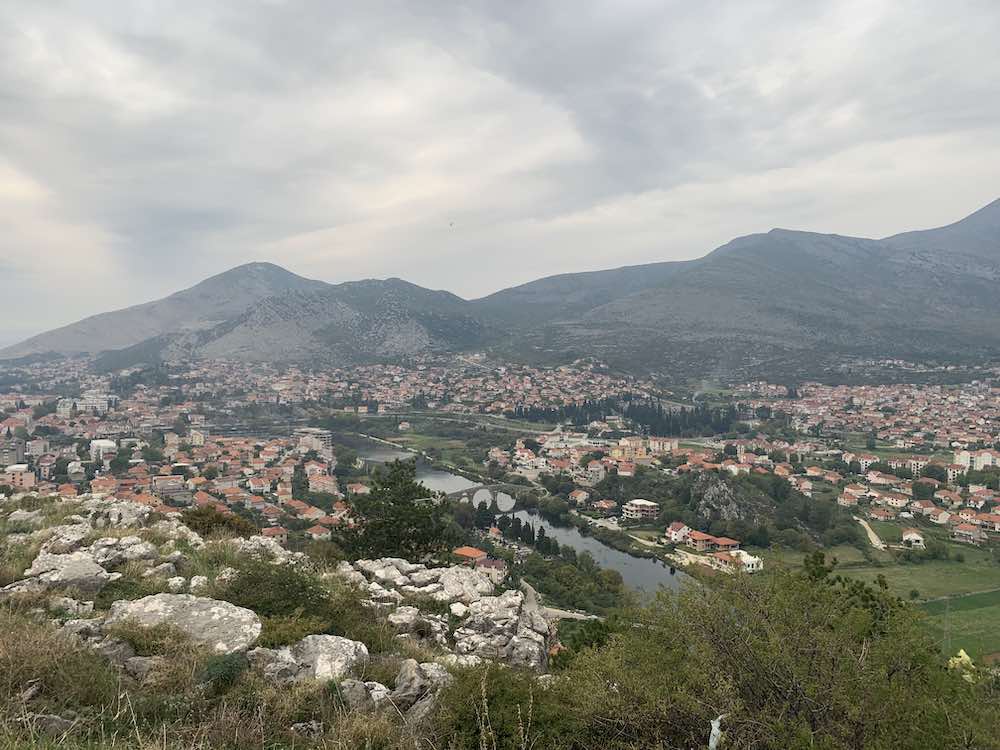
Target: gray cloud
{"x": 146, "y": 145}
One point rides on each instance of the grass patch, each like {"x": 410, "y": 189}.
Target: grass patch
{"x": 936, "y": 578}
{"x": 970, "y": 622}
{"x": 132, "y": 585}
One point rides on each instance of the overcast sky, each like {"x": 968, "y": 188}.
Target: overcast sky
{"x": 145, "y": 145}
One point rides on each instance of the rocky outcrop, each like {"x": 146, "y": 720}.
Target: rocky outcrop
{"x": 76, "y": 570}
{"x": 502, "y": 628}
{"x": 328, "y": 657}
{"x": 262, "y": 548}
{"x": 417, "y": 689}
{"x": 318, "y": 657}
{"x": 222, "y": 626}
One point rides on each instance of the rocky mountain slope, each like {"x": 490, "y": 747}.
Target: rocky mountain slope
{"x": 122, "y": 583}
{"x": 212, "y": 301}
{"x": 755, "y": 304}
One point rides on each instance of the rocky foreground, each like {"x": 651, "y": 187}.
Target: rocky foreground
{"x": 86, "y": 549}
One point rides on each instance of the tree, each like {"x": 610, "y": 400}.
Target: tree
{"x": 935, "y": 471}
{"x": 398, "y": 518}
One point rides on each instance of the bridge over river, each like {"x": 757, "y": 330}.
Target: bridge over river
{"x": 503, "y": 496}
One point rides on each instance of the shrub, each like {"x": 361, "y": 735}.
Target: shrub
{"x": 278, "y": 591}
{"x": 222, "y": 671}
{"x": 130, "y": 586}
{"x": 208, "y": 521}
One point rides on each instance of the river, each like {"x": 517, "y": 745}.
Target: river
{"x": 640, "y": 573}
{"x": 431, "y": 478}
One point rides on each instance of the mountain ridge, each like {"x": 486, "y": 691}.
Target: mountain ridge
{"x": 760, "y": 297}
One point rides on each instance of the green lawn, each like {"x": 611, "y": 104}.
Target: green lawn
{"x": 971, "y": 622}
{"x": 936, "y": 578}
{"x": 846, "y": 555}
{"x": 891, "y": 533}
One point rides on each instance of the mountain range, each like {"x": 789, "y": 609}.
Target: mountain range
{"x": 774, "y": 300}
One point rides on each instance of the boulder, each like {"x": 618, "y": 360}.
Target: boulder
{"x": 141, "y": 666}
{"x": 163, "y": 570}
{"x": 27, "y": 517}
{"x": 328, "y": 657}
{"x": 198, "y": 584}
{"x": 463, "y": 584}
{"x": 66, "y": 538}
{"x": 415, "y": 682}
{"x": 275, "y": 664}
{"x": 356, "y": 695}
{"x": 224, "y": 627}
{"x": 78, "y": 570}
{"x": 105, "y": 514}
{"x": 176, "y": 584}
{"x": 140, "y": 551}
{"x": 49, "y": 724}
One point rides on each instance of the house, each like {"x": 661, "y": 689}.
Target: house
{"x": 356, "y": 488}
{"x": 968, "y": 533}
{"x": 700, "y": 540}
{"x": 277, "y": 533}
{"x": 725, "y": 544}
{"x": 579, "y": 497}
{"x": 677, "y": 532}
{"x": 18, "y": 476}
{"x": 606, "y": 506}
{"x": 640, "y": 510}
{"x": 881, "y": 514}
{"x": 495, "y": 570}
{"x": 989, "y": 521}
{"x": 318, "y": 533}
{"x": 939, "y": 516}
{"x": 468, "y": 554}
{"x": 913, "y": 538}
{"x": 731, "y": 562}
{"x": 847, "y": 501}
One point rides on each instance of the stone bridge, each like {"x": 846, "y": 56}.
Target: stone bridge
{"x": 502, "y": 496}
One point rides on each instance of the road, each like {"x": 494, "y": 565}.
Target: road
{"x": 876, "y": 542}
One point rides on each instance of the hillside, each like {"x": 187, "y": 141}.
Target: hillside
{"x": 207, "y": 303}
{"x": 782, "y": 302}
{"x": 122, "y": 627}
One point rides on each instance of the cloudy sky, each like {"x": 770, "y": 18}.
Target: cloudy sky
{"x": 147, "y": 144}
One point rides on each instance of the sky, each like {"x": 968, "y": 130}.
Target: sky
{"x": 468, "y": 146}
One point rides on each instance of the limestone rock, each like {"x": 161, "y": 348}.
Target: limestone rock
{"x": 224, "y": 627}
{"x": 417, "y": 681}
{"x": 329, "y": 657}
{"x": 78, "y": 570}
{"x": 275, "y": 664}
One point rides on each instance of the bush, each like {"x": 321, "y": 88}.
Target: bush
{"x": 278, "y": 591}
{"x": 208, "y": 521}
{"x": 221, "y": 672}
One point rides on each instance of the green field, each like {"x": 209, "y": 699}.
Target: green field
{"x": 936, "y": 578}
{"x": 971, "y": 622}
{"x": 965, "y": 611}
{"x": 890, "y": 533}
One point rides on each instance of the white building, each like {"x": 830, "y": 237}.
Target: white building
{"x": 640, "y": 510}
{"x": 102, "y": 449}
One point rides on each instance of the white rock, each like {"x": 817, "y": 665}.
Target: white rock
{"x": 328, "y": 657}
{"x": 224, "y": 627}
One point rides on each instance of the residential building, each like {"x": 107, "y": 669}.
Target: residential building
{"x": 640, "y": 510}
